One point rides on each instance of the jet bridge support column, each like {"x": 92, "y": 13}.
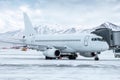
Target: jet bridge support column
{"x": 116, "y": 43}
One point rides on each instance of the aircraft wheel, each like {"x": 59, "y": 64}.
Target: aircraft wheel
{"x": 49, "y": 58}
{"x": 96, "y": 59}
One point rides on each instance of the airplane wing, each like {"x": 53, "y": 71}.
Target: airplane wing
{"x": 11, "y": 42}
{"x": 32, "y": 46}
{"x": 60, "y": 47}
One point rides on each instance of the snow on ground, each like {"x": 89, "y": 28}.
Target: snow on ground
{"x": 31, "y": 65}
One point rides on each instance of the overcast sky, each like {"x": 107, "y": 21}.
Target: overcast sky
{"x": 82, "y": 13}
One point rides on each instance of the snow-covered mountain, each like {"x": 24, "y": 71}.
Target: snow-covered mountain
{"x": 110, "y": 26}
{"x": 104, "y": 25}
{"x": 12, "y": 34}
{"x": 46, "y": 29}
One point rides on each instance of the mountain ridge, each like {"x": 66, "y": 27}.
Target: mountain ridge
{"x": 48, "y": 30}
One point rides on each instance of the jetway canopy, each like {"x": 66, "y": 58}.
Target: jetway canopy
{"x": 116, "y": 38}
{"x": 112, "y": 37}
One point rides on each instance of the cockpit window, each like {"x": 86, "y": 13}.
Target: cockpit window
{"x": 97, "y": 39}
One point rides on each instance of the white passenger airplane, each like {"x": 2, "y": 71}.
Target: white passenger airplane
{"x": 63, "y": 45}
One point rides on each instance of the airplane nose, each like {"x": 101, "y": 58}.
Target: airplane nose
{"x": 105, "y": 46}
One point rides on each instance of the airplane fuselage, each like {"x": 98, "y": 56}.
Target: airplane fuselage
{"x": 74, "y": 42}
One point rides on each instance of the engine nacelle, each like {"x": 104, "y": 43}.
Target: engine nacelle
{"x": 52, "y": 53}
{"x": 88, "y": 54}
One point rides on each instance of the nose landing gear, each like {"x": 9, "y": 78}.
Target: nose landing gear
{"x": 96, "y": 56}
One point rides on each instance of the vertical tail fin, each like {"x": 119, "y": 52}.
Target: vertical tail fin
{"x": 29, "y": 30}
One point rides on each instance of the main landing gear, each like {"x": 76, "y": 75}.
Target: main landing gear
{"x": 71, "y": 56}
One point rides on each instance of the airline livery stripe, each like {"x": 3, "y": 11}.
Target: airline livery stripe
{"x": 54, "y": 40}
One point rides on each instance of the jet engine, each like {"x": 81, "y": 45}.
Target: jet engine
{"x": 88, "y": 54}
{"x": 52, "y": 53}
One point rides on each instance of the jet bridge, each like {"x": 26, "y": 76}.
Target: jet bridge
{"x": 112, "y": 38}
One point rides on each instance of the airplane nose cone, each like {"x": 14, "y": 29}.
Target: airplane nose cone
{"x": 105, "y": 46}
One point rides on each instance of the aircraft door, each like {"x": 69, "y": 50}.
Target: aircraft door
{"x": 86, "y": 40}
